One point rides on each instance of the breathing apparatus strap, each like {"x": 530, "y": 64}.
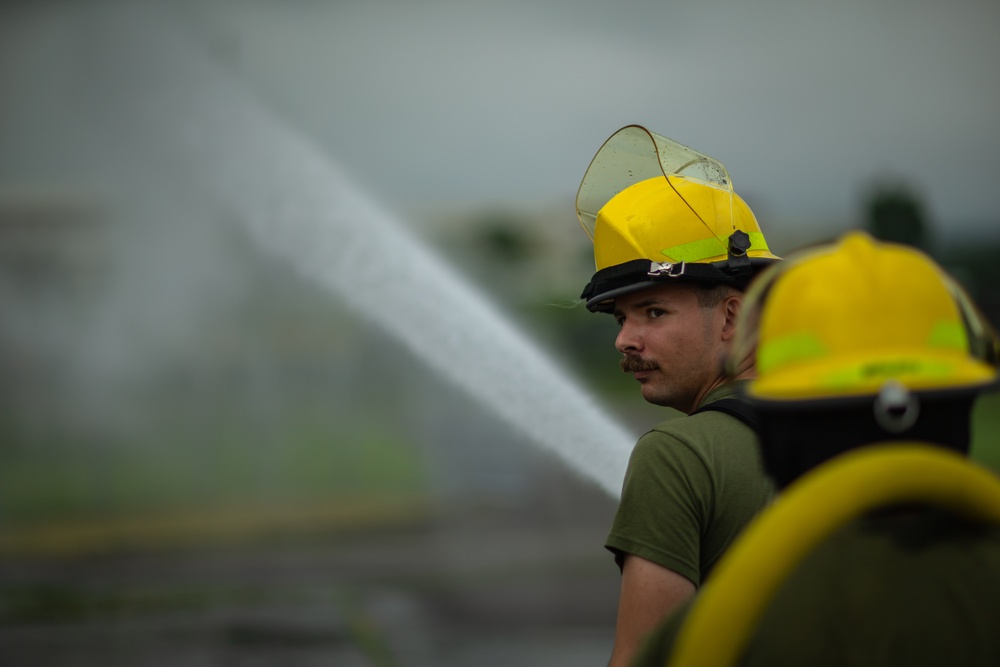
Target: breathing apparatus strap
{"x": 734, "y": 407}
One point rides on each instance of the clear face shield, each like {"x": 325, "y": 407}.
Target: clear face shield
{"x": 634, "y": 154}
{"x": 984, "y": 342}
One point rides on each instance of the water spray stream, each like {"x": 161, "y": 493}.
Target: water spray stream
{"x": 301, "y": 207}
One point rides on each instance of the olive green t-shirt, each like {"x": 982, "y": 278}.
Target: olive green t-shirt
{"x": 921, "y": 588}
{"x": 692, "y": 484}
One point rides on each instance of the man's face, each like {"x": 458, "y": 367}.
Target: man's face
{"x": 672, "y": 345}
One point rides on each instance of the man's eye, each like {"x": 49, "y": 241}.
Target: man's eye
{"x": 655, "y": 312}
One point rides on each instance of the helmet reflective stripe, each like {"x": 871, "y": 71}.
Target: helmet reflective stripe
{"x": 707, "y": 250}
{"x": 949, "y": 334}
{"x": 804, "y": 345}
{"x": 788, "y": 349}
{"x": 909, "y": 371}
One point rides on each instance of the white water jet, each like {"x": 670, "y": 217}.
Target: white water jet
{"x": 299, "y": 205}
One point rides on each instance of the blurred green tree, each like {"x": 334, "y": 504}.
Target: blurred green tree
{"x": 505, "y": 237}
{"x": 895, "y": 213}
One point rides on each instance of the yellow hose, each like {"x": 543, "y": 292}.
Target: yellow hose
{"x": 726, "y": 611}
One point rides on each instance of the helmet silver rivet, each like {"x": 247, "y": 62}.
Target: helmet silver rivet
{"x": 896, "y": 409}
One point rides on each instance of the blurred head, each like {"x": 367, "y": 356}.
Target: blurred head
{"x": 661, "y": 213}
{"x": 860, "y": 342}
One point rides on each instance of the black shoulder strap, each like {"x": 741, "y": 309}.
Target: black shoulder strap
{"x": 733, "y": 407}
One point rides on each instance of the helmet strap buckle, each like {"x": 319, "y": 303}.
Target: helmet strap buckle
{"x": 657, "y": 269}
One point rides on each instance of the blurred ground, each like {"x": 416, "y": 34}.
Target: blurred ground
{"x": 526, "y": 584}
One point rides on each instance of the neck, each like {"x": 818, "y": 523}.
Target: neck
{"x": 747, "y": 372}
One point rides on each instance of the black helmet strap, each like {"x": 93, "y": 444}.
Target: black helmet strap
{"x": 643, "y": 271}
{"x": 638, "y": 273}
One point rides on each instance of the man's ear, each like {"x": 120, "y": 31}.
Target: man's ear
{"x": 731, "y": 308}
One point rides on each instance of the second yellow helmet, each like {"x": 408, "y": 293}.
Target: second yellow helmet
{"x": 849, "y": 318}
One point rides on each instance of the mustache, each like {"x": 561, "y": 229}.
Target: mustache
{"x": 631, "y": 363}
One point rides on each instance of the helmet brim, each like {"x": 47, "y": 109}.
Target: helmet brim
{"x": 613, "y": 282}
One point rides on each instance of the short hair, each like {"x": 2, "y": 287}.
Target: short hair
{"x": 710, "y": 296}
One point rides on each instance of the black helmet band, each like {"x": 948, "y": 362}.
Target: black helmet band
{"x": 638, "y": 274}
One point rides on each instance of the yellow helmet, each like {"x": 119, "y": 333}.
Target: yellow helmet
{"x": 859, "y": 316}
{"x": 659, "y": 211}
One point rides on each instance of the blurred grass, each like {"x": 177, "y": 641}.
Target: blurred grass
{"x": 120, "y": 481}
{"x": 211, "y": 525}
{"x": 70, "y": 496}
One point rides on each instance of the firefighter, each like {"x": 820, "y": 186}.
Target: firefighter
{"x": 883, "y": 545}
{"x": 674, "y": 248}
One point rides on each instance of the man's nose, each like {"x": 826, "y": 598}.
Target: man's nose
{"x": 628, "y": 339}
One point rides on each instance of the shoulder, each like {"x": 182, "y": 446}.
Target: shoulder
{"x": 693, "y": 447}
{"x": 711, "y": 446}
{"x": 703, "y": 431}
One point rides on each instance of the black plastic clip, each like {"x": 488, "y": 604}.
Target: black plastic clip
{"x": 739, "y": 244}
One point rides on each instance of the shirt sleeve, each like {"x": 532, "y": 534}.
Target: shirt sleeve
{"x": 666, "y": 497}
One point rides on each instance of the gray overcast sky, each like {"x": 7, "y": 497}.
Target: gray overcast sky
{"x": 804, "y": 101}
{"x": 453, "y": 102}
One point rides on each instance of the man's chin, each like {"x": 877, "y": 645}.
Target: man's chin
{"x": 650, "y": 394}
{"x": 654, "y": 397}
